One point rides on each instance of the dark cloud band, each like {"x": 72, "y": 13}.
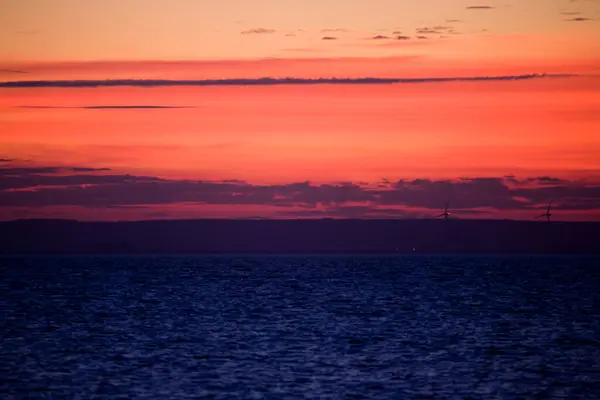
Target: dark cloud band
{"x": 89, "y": 187}
{"x": 264, "y": 81}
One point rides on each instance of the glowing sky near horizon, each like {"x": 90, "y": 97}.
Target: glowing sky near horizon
{"x": 372, "y": 136}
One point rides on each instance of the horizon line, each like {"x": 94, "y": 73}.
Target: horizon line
{"x": 82, "y": 83}
{"x": 441, "y": 220}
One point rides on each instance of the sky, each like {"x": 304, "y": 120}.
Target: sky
{"x": 153, "y": 109}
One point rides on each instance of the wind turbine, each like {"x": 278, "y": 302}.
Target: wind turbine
{"x": 445, "y": 214}
{"x": 547, "y": 214}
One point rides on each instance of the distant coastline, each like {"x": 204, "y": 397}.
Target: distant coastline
{"x": 301, "y": 236}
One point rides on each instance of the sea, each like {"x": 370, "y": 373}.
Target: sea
{"x": 300, "y": 327}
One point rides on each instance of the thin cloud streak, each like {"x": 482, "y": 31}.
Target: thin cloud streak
{"x": 13, "y": 71}
{"x": 28, "y": 171}
{"x": 258, "y": 31}
{"x": 263, "y": 81}
{"x": 107, "y": 107}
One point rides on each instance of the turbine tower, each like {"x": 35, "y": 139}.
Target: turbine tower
{"x": 547, "y": 214}
{"x": 445, "y": 214}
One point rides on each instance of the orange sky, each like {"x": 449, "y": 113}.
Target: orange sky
{"x": 278, "y": 135}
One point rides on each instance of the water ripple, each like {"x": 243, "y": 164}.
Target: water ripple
{"x": 300, "y": 327}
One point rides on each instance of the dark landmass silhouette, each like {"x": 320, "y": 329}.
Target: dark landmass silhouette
{"x": 316, "y": 236}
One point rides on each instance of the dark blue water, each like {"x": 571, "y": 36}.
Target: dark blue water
{"x": 300, "y": 327}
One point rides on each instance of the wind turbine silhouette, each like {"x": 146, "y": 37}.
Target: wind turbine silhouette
{"x": 547, "y": 214}
{"x": 445, "y": 214}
